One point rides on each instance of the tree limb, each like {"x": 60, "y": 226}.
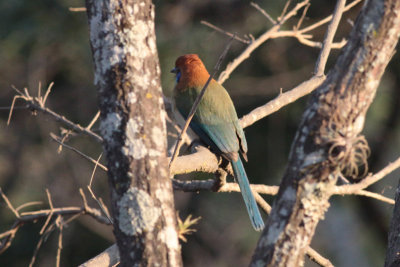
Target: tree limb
{"x": 328, "y": 137}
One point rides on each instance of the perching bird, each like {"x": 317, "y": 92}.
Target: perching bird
{"x": 215, "y": 122}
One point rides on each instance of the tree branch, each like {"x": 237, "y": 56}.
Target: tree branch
{"x": 371, "y": 179}
{"x": 281, "y": 100}
{"x": 38, "y": 104}
{"x": 328, "y": 138}
{"x": 330, "y": 33}
{"x": 256, "y": 43}
{"x": 32, "y": 216}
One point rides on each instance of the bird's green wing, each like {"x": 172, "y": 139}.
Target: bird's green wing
{"x": 215, "y": 120}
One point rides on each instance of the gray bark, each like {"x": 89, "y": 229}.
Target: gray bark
{"x": 133, "y": 127}
{"x": 328, "y": 140}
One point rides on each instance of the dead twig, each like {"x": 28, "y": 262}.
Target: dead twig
{"x": 375, "y": 196}
{"x": 305, "y": 87}
{"x": 281, "y": 100}
{"x": 28, "y": 204}
{"x": 7, "y": 237}
{"x": 263, "y": 12}
{"x": 57, "y": 139}
{"x": 99, "y": 202}
{"x": 275, "y": 32}
{"x": 50, "y": 214}
{"x": 330, "y": 33}
{"x": 369, "y": 180}
{"x": 9, "y": 205}
{"x": 38, "y": 104}
{"x": 60, "y": 236}
{"x": 328, "y": 18}
{"x": 284, "y": 10}
{"x": 77, "y": 9}
{"x": 257, "y": 42}
{"x": 95, "y": 118}
{"x": 303, "y": 15}
{"x": 317, "y": 258}
{"x": 37, "y": 248}
{"x": 234, "y": 36}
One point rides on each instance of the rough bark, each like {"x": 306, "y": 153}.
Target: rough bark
{"x": 393, "y": 249}
{"x": 132, "y": 125}
{"x": 328, "y": 139}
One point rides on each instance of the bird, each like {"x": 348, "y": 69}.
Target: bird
{"x": 215, "y": 122}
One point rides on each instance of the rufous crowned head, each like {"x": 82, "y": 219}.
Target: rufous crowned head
{"x": 189, "y": 69}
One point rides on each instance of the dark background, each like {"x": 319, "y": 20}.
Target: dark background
{"x": 42, "y": 41}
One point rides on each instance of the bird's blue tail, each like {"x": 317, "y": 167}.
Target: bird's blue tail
{"x": 247, "y": 195}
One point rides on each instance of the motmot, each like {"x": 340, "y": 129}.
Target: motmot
{"x": 215, "y": 122}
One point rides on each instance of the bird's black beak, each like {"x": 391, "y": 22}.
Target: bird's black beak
{"x": 174, "y": 70}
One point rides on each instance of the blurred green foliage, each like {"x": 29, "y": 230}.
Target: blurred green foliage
{"x": 42, "y": 41}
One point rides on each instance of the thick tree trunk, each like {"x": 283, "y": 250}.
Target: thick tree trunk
{"x": 133, "y": 128}
{"x": 328, "y": 139}
{"x": 393, "y": 249}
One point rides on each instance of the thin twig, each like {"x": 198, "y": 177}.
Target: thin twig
{"x": 234, "y": 36}
{"x": 256, "y": 43}
{"x": 280, "y": 18}
{"x": 85, "y": 204}
{"x": 177, "y": 123}
{"x": 50, "y": 214}
{"x": 330, "y": 33}
{"x": 281, "y": 100}
{"x": 317, "y": 258}
{"x": 262, "y": 11}
{"x": 47, "y": 93}
{"x": 303, "y": 15}
{"x": 305, "y": 87}
{"x": 35, "y": 215}
{"x": 101, "y": 204}
{"x": 197, "y": 101}
{"x": 65, "y": 121}
{"x": 9, "y": 205}
{"x": 42, "y": 239}
{"x": 38, "y": 246}
{"x": 8, "y": 108}
{"x": 56, "y": 139}
{"x": 301, "y": 38}
{"x": 30, "y": 216}
{"x": 95, "y": 118}
{"x": 328, "y": 18}
{"x": 38, "y": 104}
{"x": 371, "y": 179}
{"x": 12, "y": 108}
{"x": 275, "y": 32}
{"x": 28, "y": 204}
{"x": 374, "y": 195}
{"x": 77, "y": 9}
{"x": 59, "y": 224}
{"x": 7, "y": 233}
{"x": 63, "y": 140}
{"x": 262, "y": 203}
